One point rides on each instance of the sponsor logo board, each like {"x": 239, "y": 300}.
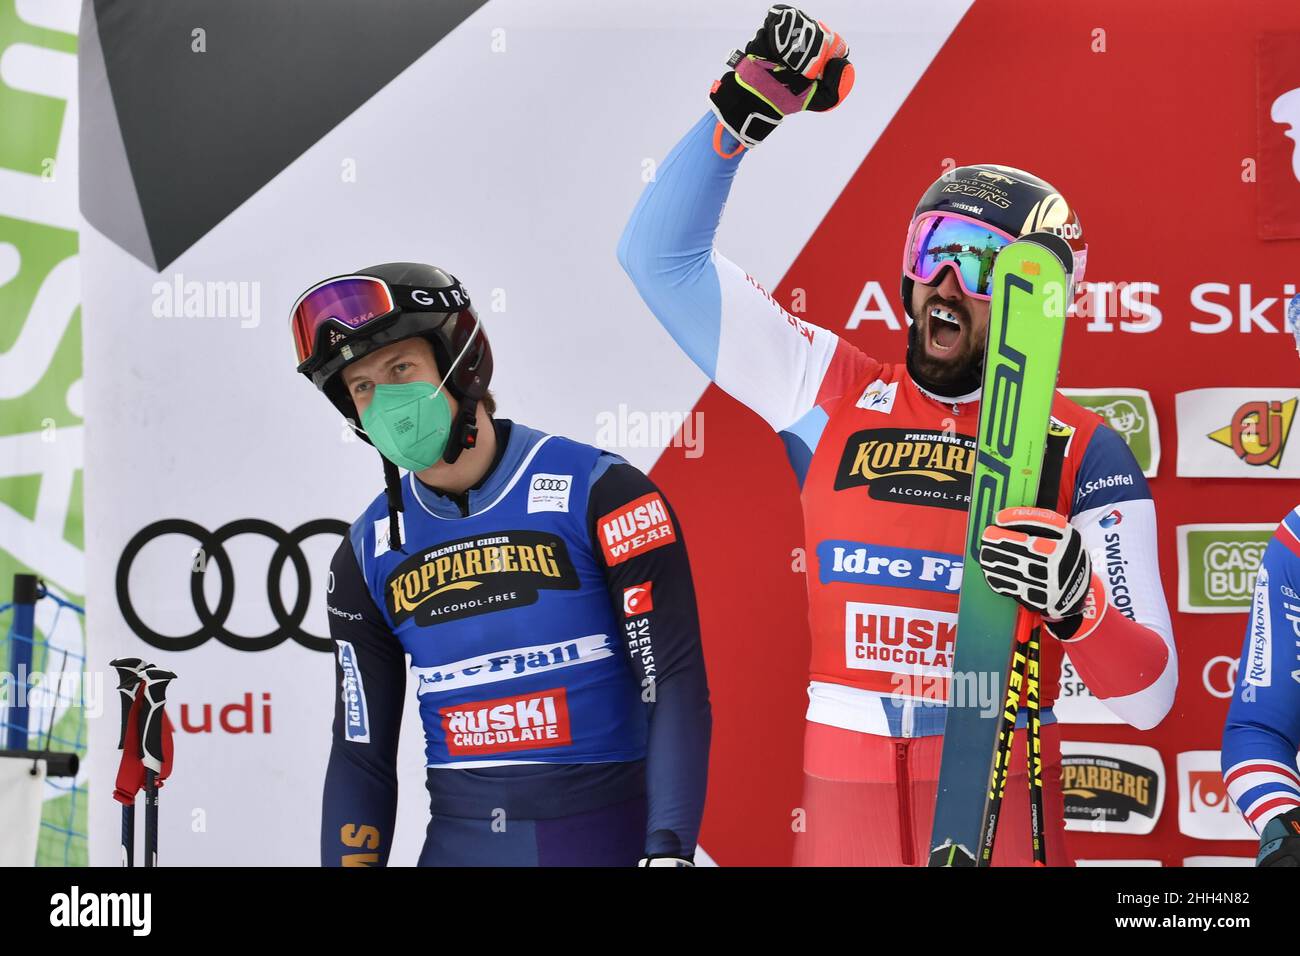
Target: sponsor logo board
{"x": 1218, "y": 564}
{"x": 1111, "y": 788}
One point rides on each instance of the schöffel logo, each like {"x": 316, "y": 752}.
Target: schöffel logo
{"x": 477, "y": 576}
{"x": 923, "y": 467}
{"x": 1102, "y": 484}
{"x": 857, "y": 563}
{"x": 885, "y": 637}
{"x": 1258, "y": 432}
{"x": 525, "y": 722}
{"x": 1217, "y": 564}
{"x": 356, "y": 719}
{"x": 1112, "y": 519}
{"x": 637, "y": 527}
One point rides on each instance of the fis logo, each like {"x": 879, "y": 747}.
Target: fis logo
{"x": 1258, "y": 432}
{"x": 1112, "y": 519}
{"x": 879, "y": 396}
{"x": 638, "y": 599}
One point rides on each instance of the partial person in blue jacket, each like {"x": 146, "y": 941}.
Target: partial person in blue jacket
{"x": 540, "y": 587}
{"x": 1262, "y": 734}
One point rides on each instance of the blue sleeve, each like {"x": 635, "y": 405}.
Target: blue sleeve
{"x": 1262, "y": 733}
{"x": 360, "y": 800}
{"x": 1109, "y": 474}
{"x": 653, "y": 597}
{"x": 667, "y": 244}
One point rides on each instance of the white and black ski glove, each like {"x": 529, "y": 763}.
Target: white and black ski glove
{"x": 794, "y": 63}
{"x": 1037, "y": 557}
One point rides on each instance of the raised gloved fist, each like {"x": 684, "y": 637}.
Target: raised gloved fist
{"x": 793, "y": 63}
{"x": 1279, "y": 844}
{"x": 1037, "y": 557}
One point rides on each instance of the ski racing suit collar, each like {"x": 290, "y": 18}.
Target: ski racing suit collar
{"x": 513, "y": 443}
{"x": 955, "y": 402}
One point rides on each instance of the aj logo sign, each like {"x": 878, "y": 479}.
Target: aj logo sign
{"x": 1237, "y": 433}
{"x": 1258, "y": 432}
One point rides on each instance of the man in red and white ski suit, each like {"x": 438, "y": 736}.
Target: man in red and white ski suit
{"x": 884, "y": 454}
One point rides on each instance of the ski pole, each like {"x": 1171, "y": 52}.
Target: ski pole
{"x": 128, "y": 681}
{"x": 151, "y": 753}
{"x": 1034, "y": 748}
{"x": 1006, "y": 737}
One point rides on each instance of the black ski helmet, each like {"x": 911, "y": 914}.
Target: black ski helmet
{"x": 1005, "y": 198}
{"x": 426, "y": 301}
{"x": 431, "y": 303}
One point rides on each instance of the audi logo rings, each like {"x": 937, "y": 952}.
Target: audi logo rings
{"x": 550, "y": 484}
{"x": 212, "y": 621}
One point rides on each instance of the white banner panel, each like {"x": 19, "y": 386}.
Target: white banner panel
{"x": 1237, "y": 433}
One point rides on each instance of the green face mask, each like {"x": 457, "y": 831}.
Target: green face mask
{"x": 409, "y": 424}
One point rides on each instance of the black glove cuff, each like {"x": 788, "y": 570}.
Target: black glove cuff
{"x": 746, "y": 116}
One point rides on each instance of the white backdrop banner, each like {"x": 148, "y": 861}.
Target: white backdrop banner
{"x": 508, "y": 147}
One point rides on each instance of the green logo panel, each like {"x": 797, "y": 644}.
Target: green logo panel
{"x": 1217, "y": 564}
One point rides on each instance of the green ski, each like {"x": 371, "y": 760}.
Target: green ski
{"x": 1031, "y": 291}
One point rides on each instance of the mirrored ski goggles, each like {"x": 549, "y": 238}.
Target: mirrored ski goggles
{"x": 938, "y": 238}
{"x": 352, "y": 301}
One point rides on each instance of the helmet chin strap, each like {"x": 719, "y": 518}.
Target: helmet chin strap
{"x": 968, "y": 382}
{"x": 464, "y": 433}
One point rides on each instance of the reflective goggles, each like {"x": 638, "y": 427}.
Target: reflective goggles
{"x": 351, "y": 301}
{"x": 938, "y": 238}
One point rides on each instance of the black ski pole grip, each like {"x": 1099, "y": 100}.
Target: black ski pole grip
{"x": 128, "y": 679}
{"x": 151, "y": 727}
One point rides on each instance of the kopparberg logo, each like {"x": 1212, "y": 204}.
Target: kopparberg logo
{"x": 917, "y": 466}
{"x": 478, "y": 575}
{"x": 1258, "y": 432}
